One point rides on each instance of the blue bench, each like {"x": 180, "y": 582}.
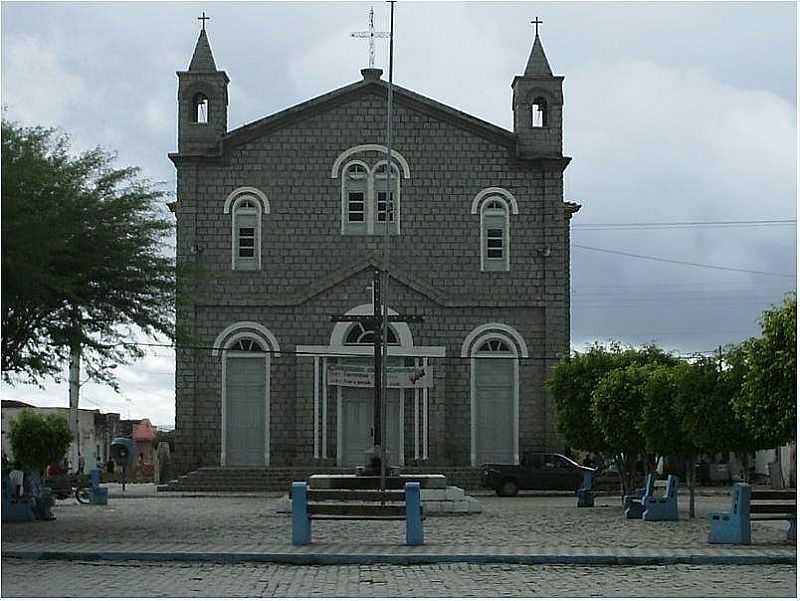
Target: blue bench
{"x": 34, "y": 503}
{"x": 585, "y": 494}
{"x": 664, "y": 508}
{"x": 371, "y": 505}
{"x": 633, "y": 503}
{"x": 733, "y": 527}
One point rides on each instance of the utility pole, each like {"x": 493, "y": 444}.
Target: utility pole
{"x": 75, "y": 383}
{"x": 387, "y": 213}
{"x": 377, "y": 324}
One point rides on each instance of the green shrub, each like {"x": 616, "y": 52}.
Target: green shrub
{"x": 38, "y": 440}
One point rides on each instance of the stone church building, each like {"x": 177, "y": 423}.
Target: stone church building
{"x": 281, "y": 221}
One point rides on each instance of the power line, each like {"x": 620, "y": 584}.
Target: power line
{"x": 677, "y": 262}
{"x": 650, "y": 225}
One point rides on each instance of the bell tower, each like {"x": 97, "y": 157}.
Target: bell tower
{"x": 537, "y": 106}
{"x": 202, "y": 100}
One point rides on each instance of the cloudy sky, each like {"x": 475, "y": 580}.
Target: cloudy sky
{"x": 674, "y": 112}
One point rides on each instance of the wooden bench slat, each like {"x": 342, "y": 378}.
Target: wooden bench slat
{"x": 779, "y": 495}
{"x": 334, "y": 494}
{"x": 392, "y": 518}
{"x": 774, "y": 508}
{"x": 356, "y": 510}
{"x": 777, "y": 516}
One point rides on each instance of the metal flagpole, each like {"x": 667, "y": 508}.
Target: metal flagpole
{"x": 385, "y": 283}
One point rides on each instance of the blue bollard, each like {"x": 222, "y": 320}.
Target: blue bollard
{"x": 585, "y": 494}
{"x": 414, "y": 533}
{"x": 95, "y": 477}
{"x": 301, "y": 525}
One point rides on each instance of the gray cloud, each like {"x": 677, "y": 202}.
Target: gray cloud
{"x": 673, "y": 112}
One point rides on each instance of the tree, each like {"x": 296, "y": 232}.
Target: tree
{"x": 617, "y": 403}
{"x": 82, "y": 264}
{"x": 572, "y": 383}
{"x": 38, "y": 440}
{"x": 661, "y": 424}
{"x": 767, "y": 401}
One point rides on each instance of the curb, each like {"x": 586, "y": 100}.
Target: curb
{"x": 320, "y": 558}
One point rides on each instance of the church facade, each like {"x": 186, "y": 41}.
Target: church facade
{"x": 281, "y": 223}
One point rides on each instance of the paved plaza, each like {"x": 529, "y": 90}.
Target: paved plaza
{"x": 529, "y": 522}
{"x": 225, "y": 545}
{"x": 177, "y": 579}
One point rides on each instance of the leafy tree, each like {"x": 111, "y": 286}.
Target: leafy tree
{"x": 38, "y": 440}
{"x": 571, "y": 383}
{"x": 82, "y": 264}
{"x": 573, "y": 380}
{"x": 767, "y": 401}
{"x": 661, "y": 422}
{"x": 617, "y": 403}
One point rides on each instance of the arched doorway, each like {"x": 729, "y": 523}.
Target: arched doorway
{"x": 245, "y": 402}
{"x": 357, "y": 404}
{"x": 494, "y": 350}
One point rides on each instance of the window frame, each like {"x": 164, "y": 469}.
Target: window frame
{"x": 375, "y": 185}
{"x": 348, "y": 186}
{"x": 494, "y": 211}
{"x": 254, "y": 210}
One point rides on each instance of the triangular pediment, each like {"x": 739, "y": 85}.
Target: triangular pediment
{"x": 352, "y": 92}
{"x": 369, "y": 264}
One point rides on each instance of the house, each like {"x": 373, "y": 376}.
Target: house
{"x": 284, "y": 219}
{"x": 95, "y": 429}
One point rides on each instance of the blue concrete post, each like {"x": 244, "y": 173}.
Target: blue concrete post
{"x": 414, "y": 532}
{"x": 301, "y": 524}
{"x": 95, "y": 477}
{"x": 585, "y": 494}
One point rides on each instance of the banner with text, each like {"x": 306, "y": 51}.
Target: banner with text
{"x": 363, "y": 376}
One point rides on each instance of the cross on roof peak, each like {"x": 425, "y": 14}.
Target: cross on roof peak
{"x": 371, "y": 34}
{"x": 203, "y": 20}
{"x": 536, "y": 22}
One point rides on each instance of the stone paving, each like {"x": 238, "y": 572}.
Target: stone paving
{"x": 176, "y": 579}
{"x": 524, "y": 522}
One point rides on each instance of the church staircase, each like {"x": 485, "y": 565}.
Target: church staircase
{"x": 279, "y": 479}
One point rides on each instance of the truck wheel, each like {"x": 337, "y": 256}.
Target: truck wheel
{"x": 508, "y": 488}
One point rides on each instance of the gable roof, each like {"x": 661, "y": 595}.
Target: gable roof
{"x": 371, "y": 84}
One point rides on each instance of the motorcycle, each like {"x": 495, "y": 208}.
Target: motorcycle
{"x": 64, "y": 486}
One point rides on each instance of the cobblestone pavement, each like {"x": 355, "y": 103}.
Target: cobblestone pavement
{"x": 143, "y": 579}
{"x": 524, "y": 521}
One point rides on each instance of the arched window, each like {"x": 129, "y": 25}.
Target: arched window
{"x": 494, "y": 345}
{"x": 355, "y": 197}
{"x": 381, "y": 207}
{"x": 246, "y": 234}
{"x": 200, "y": 108}
{"x": 358, "y": 334}
{"x": 367, "y": 208}
{"x": 247, "y": 345}
{"x": 494, "y": 235}
{"x": 539, "y": 112}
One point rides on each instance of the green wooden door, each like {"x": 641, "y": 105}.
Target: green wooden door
{"x": 245, "y": 410}
{"x": 494, "y": 410}
{"x": 357, "y": 425}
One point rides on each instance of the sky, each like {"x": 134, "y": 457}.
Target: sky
{"x": 673, "y": 112}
